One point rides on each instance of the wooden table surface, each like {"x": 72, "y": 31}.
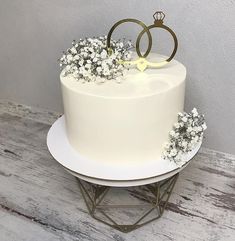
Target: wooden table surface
{"x": 39, "y": 200}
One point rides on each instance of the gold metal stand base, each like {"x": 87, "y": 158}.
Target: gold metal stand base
{"x": 127, "y": 209}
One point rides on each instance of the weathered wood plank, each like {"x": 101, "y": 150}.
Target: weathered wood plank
{"x": 14, "y": 227}
{"x": 34, "y": 186}
{"x": 44, "y": 116}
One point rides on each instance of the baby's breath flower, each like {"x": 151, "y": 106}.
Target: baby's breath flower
{"x": 194, "y": 112}
{"x": 92, "y": 60}
{"x": 184, "y": 136}
{"x": 204, "y": 127}
{"x": 184, "y": 119}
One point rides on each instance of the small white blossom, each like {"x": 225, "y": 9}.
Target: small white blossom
{"x": 69, "y": 57}
{"x": 73, "y": 50}
{"x": 82, "y": 70}
{"x": 103, "y": 54}
{"x": 88, "y": 66}
{"x": 76, "y": 57}
{"x": 184, "y": 119}
{"x": 98, "y": 69}
{"x": 193, "y": 133}
{"x": 172, "y": 133}
{"x": 194, "y": 112}
{"x": 92, "y": 55}
{"x": 184, "y": 143}
{"x": 121, "y": 45}
{"x": 173, "y": 152}
{"x": 176, "y": 125}
{"x": 189, "y": 129}
{"x": 68, "y": 67}
{"x": 106, "y": 72}
{"x": 204, "y": 127}
{"x": 81, "y": 62}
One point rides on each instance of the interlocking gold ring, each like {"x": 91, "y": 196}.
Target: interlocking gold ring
{"x": 141, "y": 62}
{"x": 145, "y": 29}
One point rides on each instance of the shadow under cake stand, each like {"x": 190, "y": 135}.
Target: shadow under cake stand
{"x": 125, "y": 196}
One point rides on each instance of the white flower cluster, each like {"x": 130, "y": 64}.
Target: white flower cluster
{"x": 88, "y": 59}
{"x": 184, "y": 136}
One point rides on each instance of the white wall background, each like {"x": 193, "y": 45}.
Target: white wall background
{"x": 33, "y": 34}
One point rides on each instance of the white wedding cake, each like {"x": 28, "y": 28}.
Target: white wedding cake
{"x": 128, "y": 121}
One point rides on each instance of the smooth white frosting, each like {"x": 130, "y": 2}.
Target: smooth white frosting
{"x": 127, "y": 121}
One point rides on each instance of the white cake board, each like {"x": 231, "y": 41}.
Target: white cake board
{"x": 109, "y": 174}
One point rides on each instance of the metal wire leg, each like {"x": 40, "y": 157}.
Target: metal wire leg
{"x": 154, "y": 197}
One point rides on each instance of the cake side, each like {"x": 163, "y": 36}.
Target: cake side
{"x": 124, "y": 122}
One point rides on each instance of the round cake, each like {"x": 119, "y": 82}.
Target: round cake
{"x": 127, "y": 121}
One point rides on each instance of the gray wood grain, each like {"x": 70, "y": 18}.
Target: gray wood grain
{"x": 39, "y": 200}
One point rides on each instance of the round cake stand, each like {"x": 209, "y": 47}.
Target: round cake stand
{"x": 125, "y": 203}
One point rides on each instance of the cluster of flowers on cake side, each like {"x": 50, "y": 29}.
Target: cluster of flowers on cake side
{"x": 88, "y": 59}
{"x": 185, "y": 135}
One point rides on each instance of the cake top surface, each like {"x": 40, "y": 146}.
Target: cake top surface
{"x": 133, "y": 83}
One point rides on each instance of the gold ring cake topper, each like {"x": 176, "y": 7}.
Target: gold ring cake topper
{"x": 142, "y": 63}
